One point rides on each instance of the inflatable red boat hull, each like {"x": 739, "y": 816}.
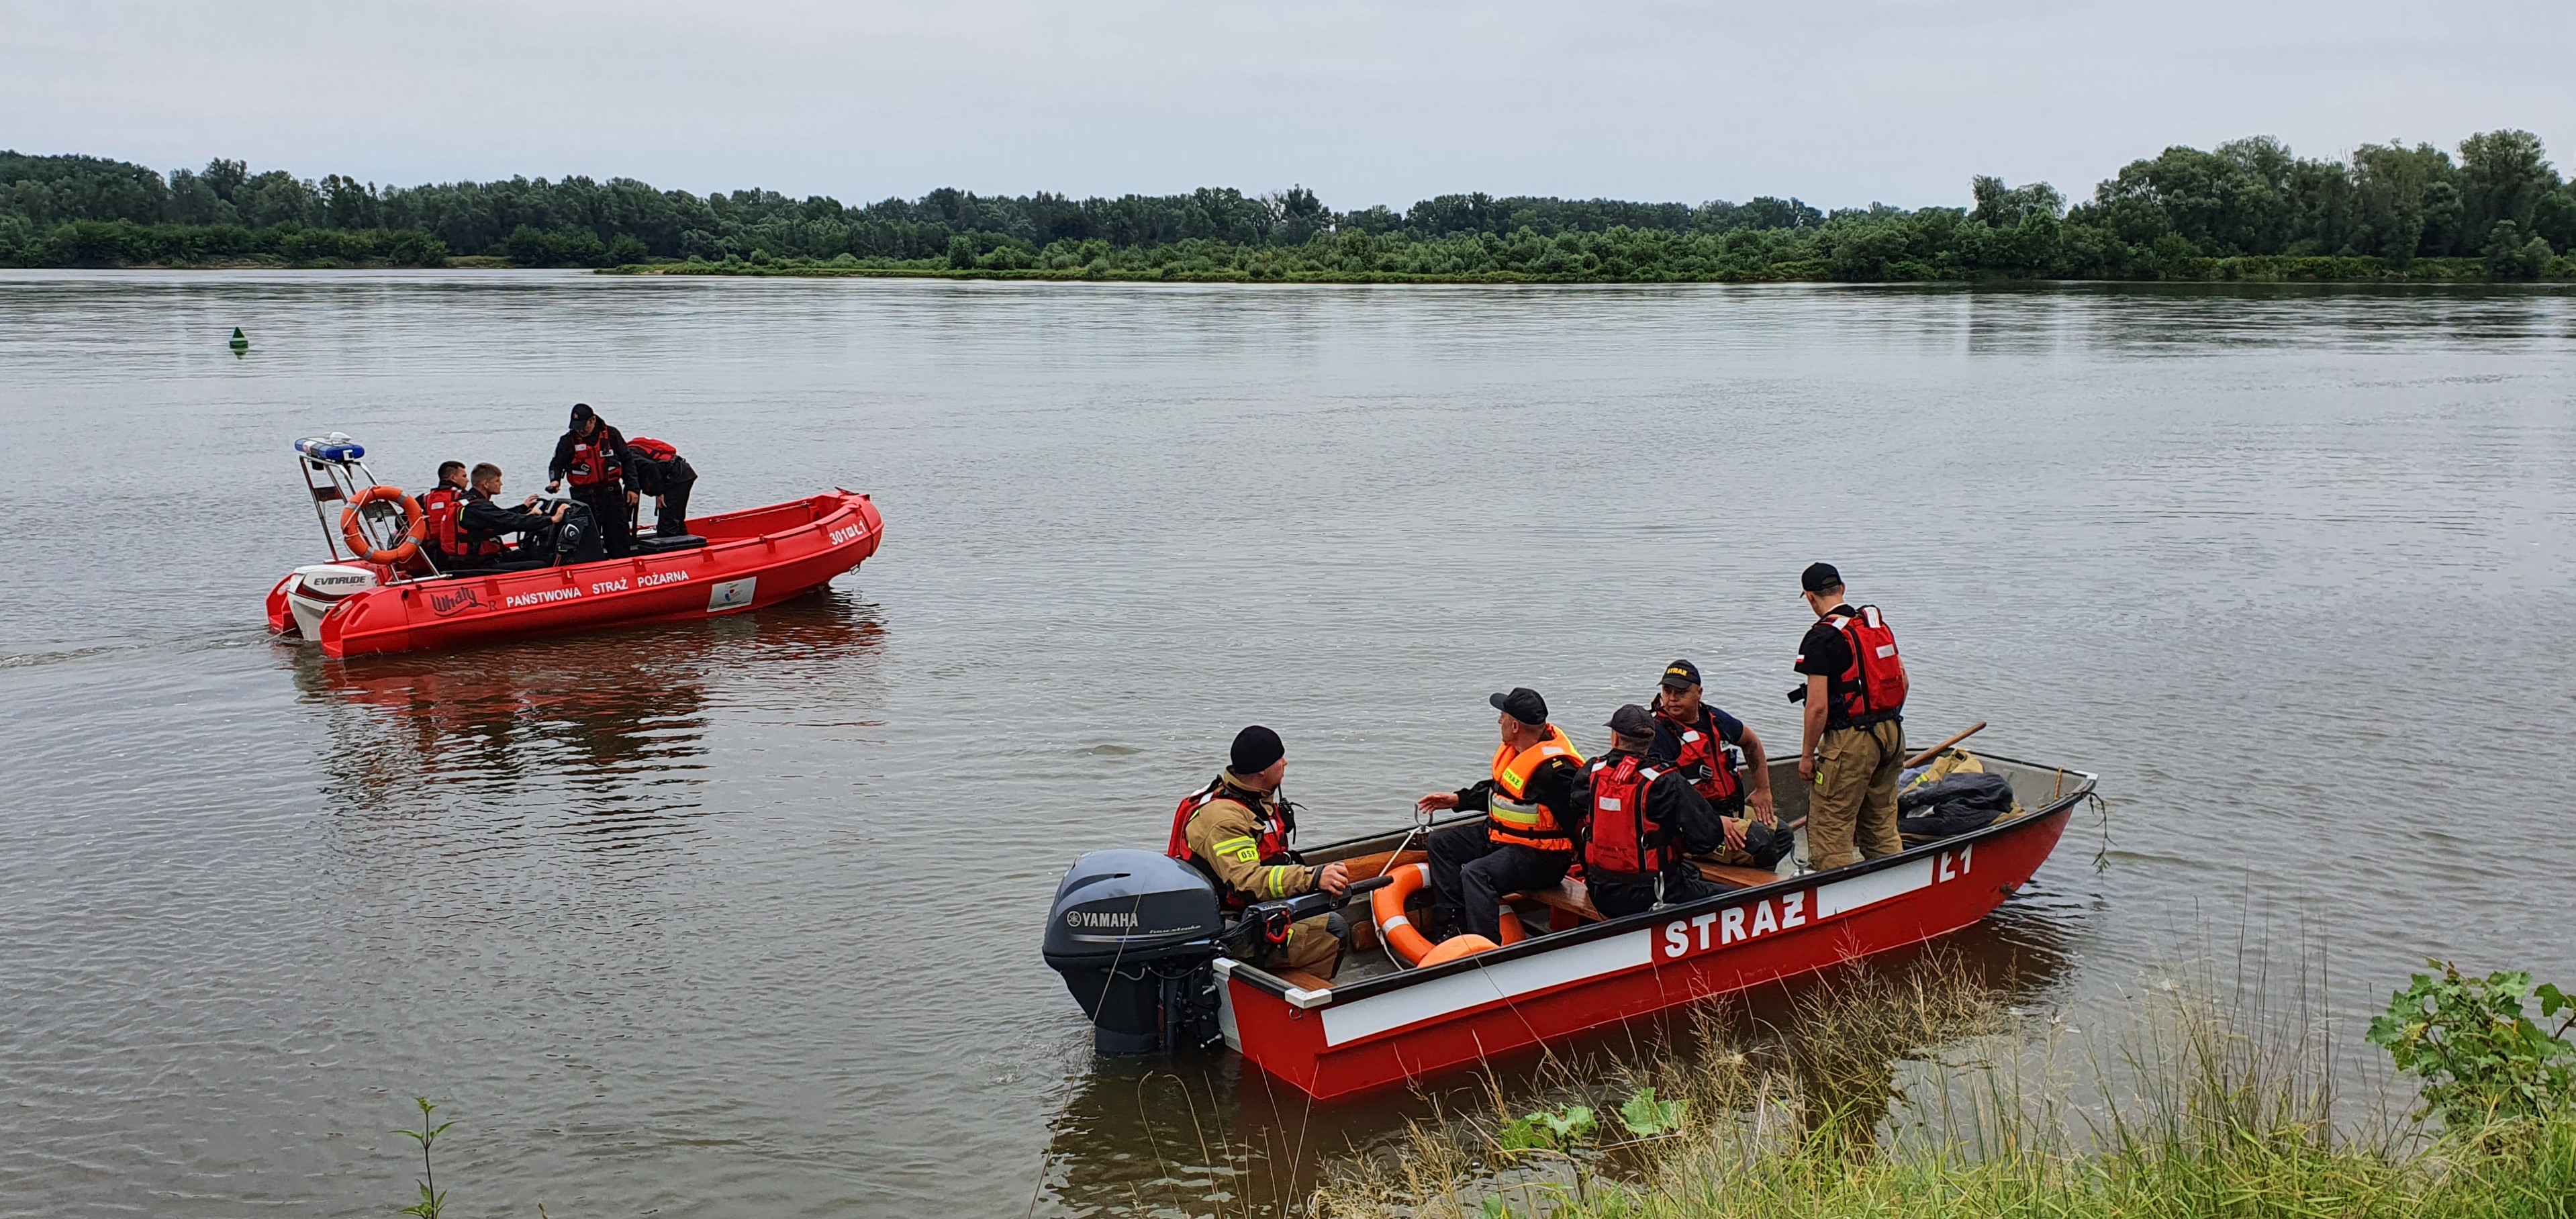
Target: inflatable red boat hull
{"x": 756, "y": 557}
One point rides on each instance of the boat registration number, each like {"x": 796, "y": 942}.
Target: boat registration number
{"x": 1733, "y": 925}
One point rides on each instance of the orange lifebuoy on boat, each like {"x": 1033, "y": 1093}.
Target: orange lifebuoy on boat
{"x": 416, "y": 526}
{"x": 1386, "y": 909}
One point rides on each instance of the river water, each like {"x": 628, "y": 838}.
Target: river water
{"x": 741, "y": 917}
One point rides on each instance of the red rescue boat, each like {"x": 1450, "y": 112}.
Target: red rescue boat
{"x": 1155, "y": 970}
{"x": 385, "y": 598}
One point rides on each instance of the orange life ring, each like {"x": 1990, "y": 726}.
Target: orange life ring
{"x": 412, "y": 533}
{"x": 1386, "y": 908}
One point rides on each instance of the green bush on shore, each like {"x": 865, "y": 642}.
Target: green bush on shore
{"x": 123, "y": 243}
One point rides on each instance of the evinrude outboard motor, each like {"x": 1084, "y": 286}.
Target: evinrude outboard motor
{"x": 1135, "y": 935}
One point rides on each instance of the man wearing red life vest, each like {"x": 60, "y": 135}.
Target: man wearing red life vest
{"x": 1236, "y": 830}
{"x": 1691, "y": 736}
{"x": 1523, "y": 844}
{"x": 1639, "y": 820}
{"x": 593, "y": 456}
{"x": 440, "y": 508}
{"x": 1854, "y": 743}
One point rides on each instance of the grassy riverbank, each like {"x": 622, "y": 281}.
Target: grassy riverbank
{"x": 1887, "y": 1097}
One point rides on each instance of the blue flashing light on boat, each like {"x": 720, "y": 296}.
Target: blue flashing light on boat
{"x": 336, "y": 448}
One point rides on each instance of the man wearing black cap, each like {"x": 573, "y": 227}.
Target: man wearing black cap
{"x": 593, "y": 455}
{"x": 1854, "y": 743}
{"x": 1640, "y": 817}
{"x": 1236, "y": 830}
{"x": 1523, "y": 843}
{"x": 1691, "y": 736}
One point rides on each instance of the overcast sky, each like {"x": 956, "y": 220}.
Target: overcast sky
{"x": 1838, "y": 103}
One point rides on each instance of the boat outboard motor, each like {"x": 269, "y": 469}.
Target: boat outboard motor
{"x": 1135, "y": 935}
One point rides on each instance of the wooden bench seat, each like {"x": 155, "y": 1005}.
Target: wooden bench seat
{"x": 1299, "y": 977}
{"x": 1568, "y": 904}
{"x": 1735, "y": 877}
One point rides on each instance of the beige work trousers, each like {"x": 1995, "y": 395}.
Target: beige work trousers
{"x": 1311, "y": 946}
{"x": 1854, "y": 803}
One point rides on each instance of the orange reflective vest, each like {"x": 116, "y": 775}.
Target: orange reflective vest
{"x": 1511, "y": 817}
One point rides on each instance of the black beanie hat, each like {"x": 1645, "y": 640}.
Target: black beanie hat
{"x": 1255, "y": 748}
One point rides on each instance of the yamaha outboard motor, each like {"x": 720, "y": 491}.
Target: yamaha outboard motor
{"x": 1135, "y": 935}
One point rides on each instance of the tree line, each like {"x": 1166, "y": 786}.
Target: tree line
{"x": 2493, "y": 208}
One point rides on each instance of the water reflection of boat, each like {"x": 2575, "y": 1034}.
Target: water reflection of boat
{"x": 1197, "y": 1133}
{"x": 1137, "y": 939}
{"x": 613, "y": 722}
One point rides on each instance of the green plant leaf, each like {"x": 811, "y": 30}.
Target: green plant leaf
{"x": 1645, "y": 1115}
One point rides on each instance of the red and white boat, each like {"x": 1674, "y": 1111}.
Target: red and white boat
{"x": 382, "y": 597}
{"x": 1154, "y": 969}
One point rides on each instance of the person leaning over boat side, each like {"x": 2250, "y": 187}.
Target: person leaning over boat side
{"x": 483, "y": 521}
{"x": 593, "y": 455}
{"x": 1523, "y": 844}
{"x": 1691, "y": 735}
{"x": 1236, "y": 830}
{"x": 655, "y": 468}
{"x": 1639, "y": 818}
{"x": 1853, "y": 745}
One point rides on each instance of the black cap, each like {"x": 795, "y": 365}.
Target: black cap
{"x": 1681, "y": 675}
{"x": 1632, "y": 720}
{"x": 1522, "y": 704}
{"x": 1255, "y": 748}
{"x": 1820, "y": 576}
{"x": 581, "y": 411}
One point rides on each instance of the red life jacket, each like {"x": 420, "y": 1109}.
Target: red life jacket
{"x": 1874, "y": 685}
{"x": 1703, "y": 758}
{"x": 444, "y": 510}
{"x": 1277, "y": 827}
{"x": 650, "y": 449}
{"x": 1620, "y": 842}
{"x": 591, "y": 463}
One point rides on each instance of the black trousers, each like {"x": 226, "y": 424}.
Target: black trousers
{"x": 607, "y": 504}
{"x": 1615, "y": 898}
{"x": 1470, "y": 874}
{"x": 672, "y": 519}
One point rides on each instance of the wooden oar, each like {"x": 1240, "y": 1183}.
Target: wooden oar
{"x": 1935, "y": 751}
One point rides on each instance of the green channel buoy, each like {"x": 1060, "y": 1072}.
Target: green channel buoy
{"x": 240, "y": 345}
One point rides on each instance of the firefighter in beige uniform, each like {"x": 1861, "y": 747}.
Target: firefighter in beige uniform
{"x": 1236, "y": 830}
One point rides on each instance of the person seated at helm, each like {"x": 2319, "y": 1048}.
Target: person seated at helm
{"x": 484, "y": 521}
{"x": 1691, "y": 735}
{"x": 1639, "y": 818}
{"x": 1522, "y": 845}
{"x": 1236, "y": 831}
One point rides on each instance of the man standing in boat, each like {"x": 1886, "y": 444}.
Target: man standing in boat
{"x": 1523, "y": 844}
{"x": 1691, "y": 736}
{"x": 1641, "y": 818}
{"x": 1853, "y": 746}
{"x": 593, "y": 456}
{"x": 1236, "y": 830}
